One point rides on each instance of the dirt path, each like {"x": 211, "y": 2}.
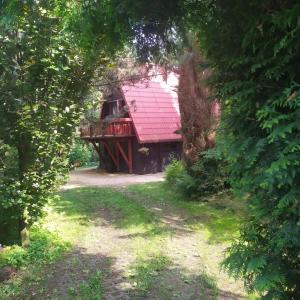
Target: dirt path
{"x": 183, "y": 249}
{"x": 186, "y": 271}
{"x": 102, "y": 248}
{"x": 91, "y": 177}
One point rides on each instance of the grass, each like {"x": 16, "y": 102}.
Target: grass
{"x": 208, "y": 282}
{"x": 89, "y": 290}
{"x": 45, "y": 248}
{"x": 219, "y": 216}
{"x": 84, "y": 204}
{"x": 69, "y": 219}
{"x": 145, "y": 272}
{"x": 78, "y": 212}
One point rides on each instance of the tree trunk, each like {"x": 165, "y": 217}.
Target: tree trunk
{"x": 195, "y": 108}
{"x": 24, "y": 233}
{"x": 25, "y": 159}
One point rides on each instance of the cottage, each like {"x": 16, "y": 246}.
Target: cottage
{"x": 138, "y": 130}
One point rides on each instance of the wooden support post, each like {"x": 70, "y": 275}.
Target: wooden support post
{"x": 130, "y": 156}
{"x": 128, "y": 159}
{"x": 96, "y": 148}
{"x": 118, "y": 158}
{"x": 110, "y": 154}
{"x": 122, "y": 152}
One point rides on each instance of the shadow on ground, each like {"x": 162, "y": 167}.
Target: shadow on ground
{"x": 64, "y": 279}
{"x": 221, "y": 215}
{"x": 112, "y": 208}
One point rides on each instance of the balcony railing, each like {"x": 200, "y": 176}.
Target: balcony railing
{"x": 116, "y": 127}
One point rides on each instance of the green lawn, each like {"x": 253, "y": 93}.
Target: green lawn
{"x": 220, "y": 216}
{"x": 156, "y": 239}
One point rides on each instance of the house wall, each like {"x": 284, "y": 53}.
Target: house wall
{"x": 159, "y": 156}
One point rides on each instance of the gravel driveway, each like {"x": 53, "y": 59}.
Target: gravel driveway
{"x": 92, "y": 177}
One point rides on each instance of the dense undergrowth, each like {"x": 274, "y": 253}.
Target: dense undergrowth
{"x": 17, "y": 263}
{"x": 209, "y": 175}
{"x": 45, "y": 247}
{"x": 82, "y": 154}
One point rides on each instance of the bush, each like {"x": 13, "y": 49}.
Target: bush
{"x": 174, "y": 171}
{"x": 207, "y": 176}
{"x": 14, "y": 256}
{"x": 45, "y": 247}
{"x": 82, "y": 154}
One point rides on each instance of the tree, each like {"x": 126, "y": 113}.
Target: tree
{"x": 196, "y": 106}
{"x": 49, "y": 50}
{"x": 254, "y": 49}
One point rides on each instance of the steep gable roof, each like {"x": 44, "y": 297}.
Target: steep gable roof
{"x": 153, "y": 107}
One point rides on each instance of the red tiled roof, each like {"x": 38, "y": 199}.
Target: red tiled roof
{"x": 153, "y": 107}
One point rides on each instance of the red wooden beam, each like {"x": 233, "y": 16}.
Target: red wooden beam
{"x": 110, "y": 154}
{"x": 130, "y": 155}
{"x": 118, "y": 159}
{"x": 122, "y": 152}
{"x": 128, "y": 159}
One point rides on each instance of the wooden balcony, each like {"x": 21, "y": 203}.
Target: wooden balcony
{"x": 121, "y": 127}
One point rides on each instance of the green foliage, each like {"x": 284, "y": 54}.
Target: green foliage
{"x": 46, "y": 62}
{"x": 145, "y": 272}
{"x": 14, "y": 256}
{"x": 44, "y": 248}
{"x": 153, "y": 29}
{"x": 207, "y": 176}
{"x": 90, "y": 290}
{"x": 220, "y": 216}
{"x": 39, "y": 88}
{"x": 8, "y": 169}
{"x": 174, "y": 171}
{"x": 255, "y": 50}
{"x": 82, "y": 154}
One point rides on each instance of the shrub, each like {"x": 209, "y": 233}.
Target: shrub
{"x": 45, "y": 72}
{"x": 82, "y": 154}
{"x": 207, "y": 176}
{"x": 14, "y": 256}
{"x": 174, "y": 171}
{"x": 8, "y": 167}
{"x": 45, "y": 247}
